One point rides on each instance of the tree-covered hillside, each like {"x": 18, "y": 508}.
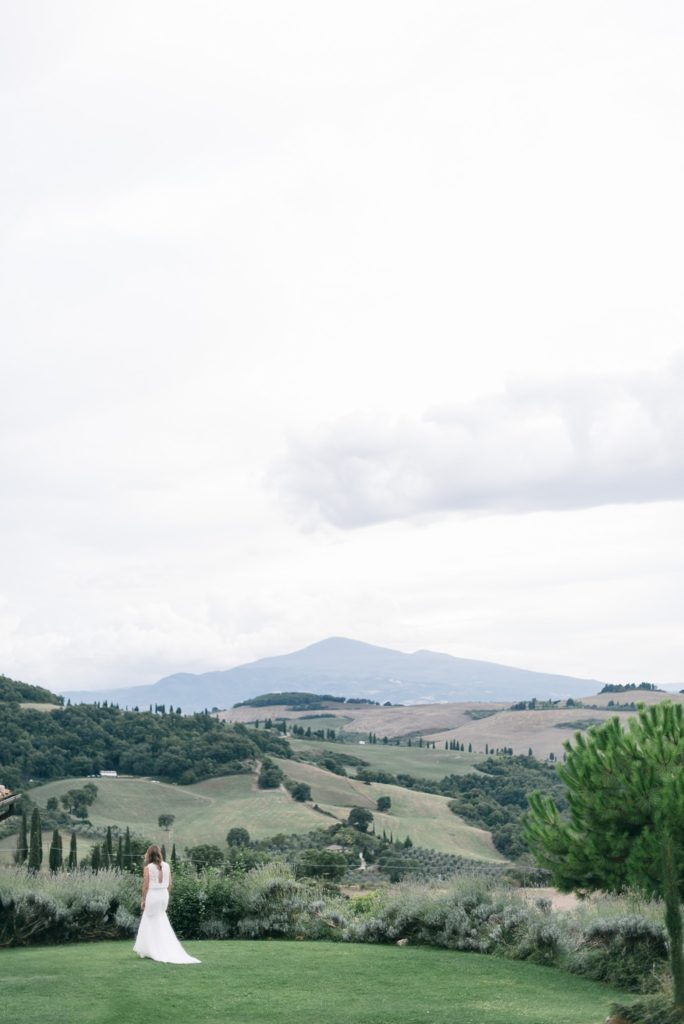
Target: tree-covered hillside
{"x": 11, "y": 689}
{"x": 86, "y": 739}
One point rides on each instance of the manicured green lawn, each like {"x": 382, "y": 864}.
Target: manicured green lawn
{"x": 289, "y": 983}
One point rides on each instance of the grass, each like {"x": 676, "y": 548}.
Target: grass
{"x": 206, "y": 811}
{"x": 424, "y": 817}
{"x": 414, "y": 760}
{"x": 291, "y": 983}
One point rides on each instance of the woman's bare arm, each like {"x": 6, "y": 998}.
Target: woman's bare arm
{"x": 146, "y": 885}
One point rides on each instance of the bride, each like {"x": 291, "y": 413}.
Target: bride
{"x": 156, "y": 938}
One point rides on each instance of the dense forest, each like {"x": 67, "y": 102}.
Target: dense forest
{"x": 298, "y": 700}
{"x": 10, "y": 689}
{"x": 86, "y": 739}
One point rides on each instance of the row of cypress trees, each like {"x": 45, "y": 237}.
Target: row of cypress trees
{"x": 29, "y": 850}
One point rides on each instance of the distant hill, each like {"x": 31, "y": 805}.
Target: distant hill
{"x": 350, "y": 668}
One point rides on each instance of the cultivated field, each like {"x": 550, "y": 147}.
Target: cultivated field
{"x": 291, "y": 983}
{"x": 365, "y": 718}
{"x": 421, "y": 762}
{"x": 544, "y": 731}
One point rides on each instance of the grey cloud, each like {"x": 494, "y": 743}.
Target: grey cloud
{"x": 575, "y": 443}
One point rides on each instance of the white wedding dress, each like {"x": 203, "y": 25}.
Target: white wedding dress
{"x": 156, "y": 938}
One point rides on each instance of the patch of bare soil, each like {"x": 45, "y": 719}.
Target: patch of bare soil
{"x": 559, "y": 900}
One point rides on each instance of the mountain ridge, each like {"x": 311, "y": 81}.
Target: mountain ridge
{"x": 350, "y": 668}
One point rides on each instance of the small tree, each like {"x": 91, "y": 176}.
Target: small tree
{"x": 270, "y": 776}
{"x": 238, "y": 837}
{"x": 55, "y": 854}
{"x": 72, "y": 863}
{"x": 205, "y": 856}
{"x": 301, "y": 791}
{"x": 165, "y": 821}
{"x": 128, "y": 851}
{"x": 384, "y": 803}
{"x": 21, "y": 852}
{"x": 360, "y": 818}
{"x": 96, "y": 858}
{"x": 35, "y": 855}
{"x": 322, "y": 864}
{"x": 626, "y": 824}
{"x": 119, "y": 854}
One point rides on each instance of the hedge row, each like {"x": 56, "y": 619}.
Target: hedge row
{"x": 628, "y": 950}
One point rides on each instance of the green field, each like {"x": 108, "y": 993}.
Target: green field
{"x": 290, "y": 983}
{"x": 206, "y": 811}
{"x": 417, "y": 761}
{"x": 424, "y": 817}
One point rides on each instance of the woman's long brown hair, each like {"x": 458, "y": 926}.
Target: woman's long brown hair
{"x": 153, "y": 856}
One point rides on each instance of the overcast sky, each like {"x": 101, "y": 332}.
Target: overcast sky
{"x": 357, "y": 319}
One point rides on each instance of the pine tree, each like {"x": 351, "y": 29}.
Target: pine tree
{"x": 626, "y": 826}
{"x": 72, "y": 863}
{"x": 21, "y": 852}
{"x": 55, "y": 854}
{"x": 35, "y": 857}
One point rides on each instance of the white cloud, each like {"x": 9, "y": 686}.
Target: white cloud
{"x": 551, "y": 445}
{"x": 220, "y": 228}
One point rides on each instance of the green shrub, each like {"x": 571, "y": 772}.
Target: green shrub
{"x": 72, "y": 907}
{"x": 628, "y": 952}
{"x": 659, "y": 1010}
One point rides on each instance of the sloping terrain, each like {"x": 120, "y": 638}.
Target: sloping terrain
{"x": 206, "y": 811}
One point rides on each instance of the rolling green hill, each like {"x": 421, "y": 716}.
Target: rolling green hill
{"x": 206, "y": 811}
{"x": 421, "y": 762}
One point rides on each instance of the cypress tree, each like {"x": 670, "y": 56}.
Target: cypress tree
{"x": 109, "y": 844}
{"x": 174, "y": 858}
{"x": 72, "y": 863}
{"x": 96, "y": 858}
{"x": 21, "y": 852}
{"x": 35, "y": 857}
{"x": 127, "y": 853}
{"x": 55, "y": 854}
{"x": 163, "y": 851}
{"x": 119, "y": 854}
{"x": 105, "y": 860}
